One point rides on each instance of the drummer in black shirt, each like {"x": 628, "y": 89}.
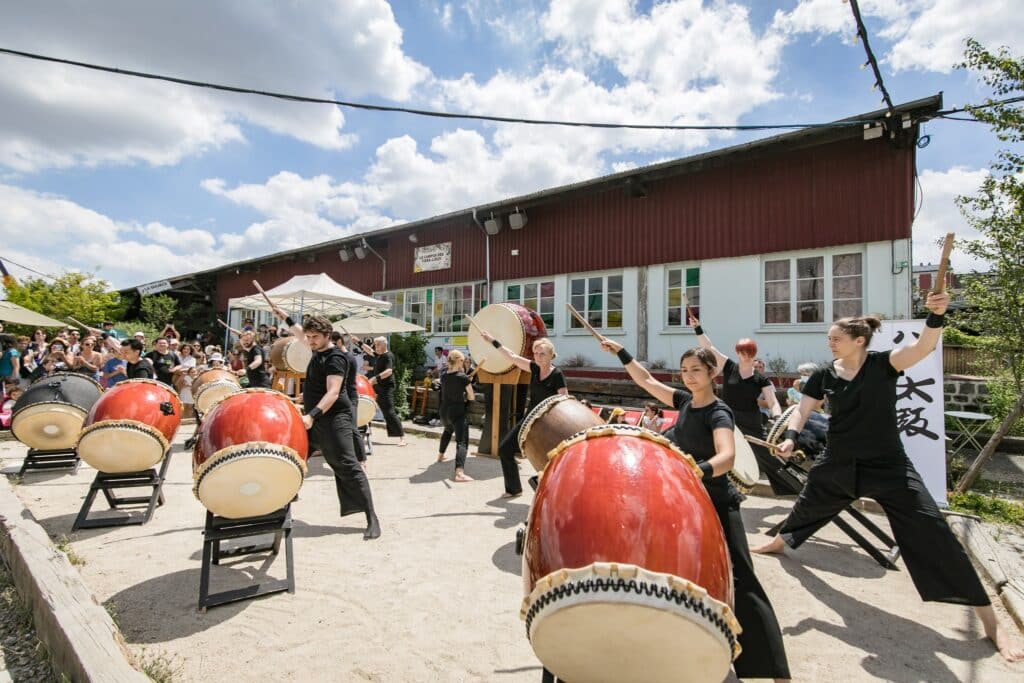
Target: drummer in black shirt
{"x": 704, "y": 429}
{"x": 383, "y": 380}
{"x": 255, "y": 369}
{"x": 330, "y": 417}
{"x": 545, "y": 381}
{"x": 456, "y": 392}
{"x": 137, "y": 366}
{"x": 865, "y": 457}
{"x": 165, "y": 362}
{"x": 338, "y": 339}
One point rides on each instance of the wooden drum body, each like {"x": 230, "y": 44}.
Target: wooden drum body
{"x": 550, "y": 422}
{"x": 211, "y": 386}
{"x": 515, "y": 326}
{"x": 291, "y": 354}
{"x": 250, "y": 457}
{"x": 367, "y": 407}
{"x": 50, "y": 414}
{"x": 625, "y": 564}
{"x": 131, "y": 427}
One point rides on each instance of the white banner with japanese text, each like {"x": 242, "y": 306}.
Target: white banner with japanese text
{"x": 433, "y": 257}
{"x": 920, "y": 403}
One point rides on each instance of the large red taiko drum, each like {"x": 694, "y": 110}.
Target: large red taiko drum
{"x": 550, "y": 422}
{"x": 625, "y": 564}
{"x": 367, "y": 407}
{"x": 211, "y": 386}
{"x": 515, "y": 326}
{"x": 131, "y": 426}
{"x": 250, "y": 457}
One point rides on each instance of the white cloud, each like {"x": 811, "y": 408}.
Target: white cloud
{"x": 940, "y": 214}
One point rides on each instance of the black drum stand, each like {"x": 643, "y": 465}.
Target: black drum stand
{"x": 108, "y": 483}
{"x": 63, "y": 458}
{"x": 222, "y": 529}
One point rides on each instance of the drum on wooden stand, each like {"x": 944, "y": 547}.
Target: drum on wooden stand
{"x": 745, "y": 471}
{"x": 515, "y": 326}
{"x": 131, "y": 427}
{"x": 625, "y": 567}
{"x": 291, "y": 354}
{"x": 550, "y": 422}
{"x": 250, "y": 458}
{"x": 367, "y": 407}
{"x": 811, "y": 441}
{"x": 50, "y": 414}
{"x": 211, "y": 386}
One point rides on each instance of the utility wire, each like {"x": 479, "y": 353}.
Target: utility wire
{"x": 862, "y": 33}
{"x": 31, "y": 270}
{"x": 427, "y": 112}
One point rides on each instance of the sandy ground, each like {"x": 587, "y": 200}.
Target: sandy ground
{"x": 437, "y": 597}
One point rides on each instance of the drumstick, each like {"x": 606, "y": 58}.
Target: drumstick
{"x": 473, "y": 323}
{"x": 686, "y": 307}
{"x": 81, "y": 324}
{"x": 940, "y": 279}
{"x": 583, "y": 321}
{"x": 772, "y": 447}
{"x": 480, "y": 364}
{"x": 230, "y": 329}
{"x": 259, "y": 289}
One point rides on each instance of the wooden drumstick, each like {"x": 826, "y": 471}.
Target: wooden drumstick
{"x": 81, "y": 324}
{"x": 480, "y": 364}
{"x": 474, "y": 325}
{"x": 686, "y": 307}
{"x": 940, "y": 278}
{"x": 583, "y": 321}
{"x": 772, "y": 447}
{"x": 273, "y": 306}
{"x": 230, "y": 329}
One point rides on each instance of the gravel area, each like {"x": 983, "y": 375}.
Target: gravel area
{"x": 22, "y": 657}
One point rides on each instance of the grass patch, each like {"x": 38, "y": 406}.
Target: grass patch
{"x": 64, "y": 545}
{"x": 989, "y": 508}
{"x": 111, "y": 608}
{"x": 159, "y": 666}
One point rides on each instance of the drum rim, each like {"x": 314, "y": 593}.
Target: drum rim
{"x": 507, "y": 305}
{"x": 66, "y": 373}
{"x": 254, "y": 390}
{"x": 238, "y": 450}
{"x": 122, "y": 423}
{"x": 14, "y": 416}
{"x": 147, "y": 380}
{"x": 539, "y": 411}
{"x": 623, "y": 430}
{"x": 778, "y": 427}
{"x": 738, "y": 478}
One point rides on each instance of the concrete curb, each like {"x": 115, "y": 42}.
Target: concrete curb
{"x": 83, "y": 641}
{"x": 980, "y": 548}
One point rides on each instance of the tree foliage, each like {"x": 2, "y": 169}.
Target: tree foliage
{"x": 158, "y": 309}
{"x": 75, "y": 294}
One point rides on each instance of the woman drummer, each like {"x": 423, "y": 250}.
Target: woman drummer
{"x": 865, "y": 457}
{"x": 546, "y": 380}
{"x": 456, "y": 392}
{"x": 704, "y": 429}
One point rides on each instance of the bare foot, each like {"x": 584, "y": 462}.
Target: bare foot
{"x": 511, "y": 495}
{"x": 461, "y": 476}
{"x": 773, "y": 546}
{"x": 1007, "y": 645}
{"x": 440, "y": 457}
{"x": 402, "y": 443}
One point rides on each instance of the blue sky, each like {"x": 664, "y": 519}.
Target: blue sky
{"x": 138, "y": 180}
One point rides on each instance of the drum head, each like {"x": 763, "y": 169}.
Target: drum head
{"x": 367, "y": 409}
{"x": 212, "y": 393}
{"x": 744, "y": 469}
{"x": 249, "y": 480}
{"x": 507, "y": 327}
{"x": 297, "y": 355}
{"x": 48, "y": 426}
{"x": 115, "y": 446}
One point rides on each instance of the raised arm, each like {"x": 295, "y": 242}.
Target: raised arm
{"x": 705, "y": 342}
{"x": 517, "y": 360}
{"x": 293, "y": 327}
{"x": 909, "y": 355}
{"x": 639, "y": 373}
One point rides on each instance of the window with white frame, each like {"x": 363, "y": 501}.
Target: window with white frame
{"x": 439, "y": 310}
{"x": 813, "y": 289}
{"x": 537, "y": 296}
{"x": 451, "y": 306}
{"x": 598, "y": 298}
{"x": 417, "y": 308}
{"x": 397, "y": 301}
{"x": 682, "y": 291}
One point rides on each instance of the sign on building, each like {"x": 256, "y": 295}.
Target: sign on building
{"x": 433, "y": 257}
{"x": 919, "y": 405}
{"x": 154, "y": 288}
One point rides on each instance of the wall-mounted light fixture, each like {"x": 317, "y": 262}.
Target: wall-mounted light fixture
{"x": 360, "y": 250}
{"x": 517, "y": 220}
{"x": 492, "y": 226}
{"x": 345, "y": 254}
{"x": 413, "y": 237}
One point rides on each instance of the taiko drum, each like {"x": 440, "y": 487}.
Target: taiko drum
{"x": 625, "y": 564}
{"x": 515, "y": 326}
{"x": 131, "y": 426}
{"x": 50, "y": 414}
{"x": 550, "y": 422}
{"x": 291, "y": 354}
{"x": 367, "y": 407}
{"x": 250, "y": 457}
{"x": 211, "y": 386}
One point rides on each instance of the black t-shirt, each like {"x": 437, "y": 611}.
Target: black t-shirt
{"x": 453, "y": 393}
{"x": 694, "y": 434}
{"x": 741, "y": 393}
{"x": 863, "y": 422}
{"x": 350, "y": 377}
{"x": 141, "y": 370}
{"x": 162, "y": 364}
{"x": 323, "y": 364}
{"x": 258, "y": 376}
{"x": 541, "y": 389}
{"x": 382, "y": 362}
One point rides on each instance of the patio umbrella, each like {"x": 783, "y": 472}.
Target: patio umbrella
{"x": 373, "y": 324}
{"x": 311, "y": 294}
{"x": 19, "y": 315}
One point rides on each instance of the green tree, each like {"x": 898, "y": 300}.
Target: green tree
{"x": 80, "y": 295}
{"x": 158, "y": 309}
{"x": 997, "y": 213}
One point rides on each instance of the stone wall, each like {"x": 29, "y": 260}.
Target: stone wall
{"x": 965, "y": 392}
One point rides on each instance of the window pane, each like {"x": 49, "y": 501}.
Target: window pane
{"x": 595, "y": 284}
{"x": 675, "y": 317}
{"x": 693, "y": 277}
{"x": 776, "y": 270}
{"x": 513, "y": 293}
{"x": 693, "y": 296}
{"x": 675, "y": 297}
{"x": 614, "y": 318}
{"x": 846, "y": 264}
{"x": 811, "y": 312}
{"x": 530, "y": 291}
{"x": 547, "y": 305}
{"x": 578, "y": 287}
{"x": 549, "y": 320}
{"x": 615, "y": 301}
{"x": 530, "y": 303}
{"x": 810, "y": 290}
{"x": 614, "y": 283}
{"x": 675, "y": 277}
{"x": 776, "y": 313}
{"x": 595, "y": 302}
{"x": 847, "y": 287}
{"x": 776, "y": 291}
{"x": 547, "y": 288}
{"x": 594, "y": 318}
{"x": 813, "y": 266}
{"x": 843, "y": 309}
{"x": 578, "y": 302}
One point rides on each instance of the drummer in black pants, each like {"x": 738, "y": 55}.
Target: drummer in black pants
{"x": 383, "y": 380}
{"x": 353, "y": 394}
{"x": 330, "y": 418}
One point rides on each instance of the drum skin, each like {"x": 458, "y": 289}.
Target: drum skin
{"x": 211, "y": 386}
{"x": 290, "y": 354}
{"x": 549, "y": 423}
{"x": 515, "y": 326}
{"x": 250, "y": 457}
{"x": 367, "y": 405}
{"x": 131, "y": 427}
{"x": 50, "y": 414}
{"x": 625, "y": 562}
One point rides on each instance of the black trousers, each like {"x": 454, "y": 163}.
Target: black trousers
{"x": 459, "y": 427}
{"x": 334, "y": 435}
{"x": 936, "y": 561}
{"x": 386, "y": 403}
{"x": 507, "y": 449}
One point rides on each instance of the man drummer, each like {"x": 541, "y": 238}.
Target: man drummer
{"x": 330, "y": 417}
{"x": 136, "y": 366}
{"x": 353, "y": 394}
{"x": 252, "y": 357}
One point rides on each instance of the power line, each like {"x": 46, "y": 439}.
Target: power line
{"x": 862, "y": 33}
{"x": 426, "y": 112}
{"x": 31, "y": 270}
